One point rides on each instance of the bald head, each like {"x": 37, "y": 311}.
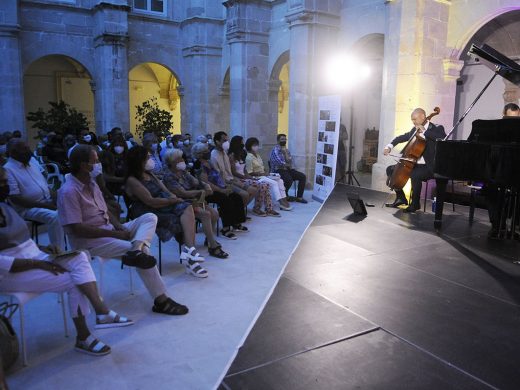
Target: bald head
{"x": 418, "y": 116}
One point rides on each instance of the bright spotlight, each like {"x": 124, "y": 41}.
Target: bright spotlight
{"x": 343, "y": 71}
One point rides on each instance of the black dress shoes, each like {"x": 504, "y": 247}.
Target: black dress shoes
{"x": 411, "y": 209}
{"x": 398, "y": 202}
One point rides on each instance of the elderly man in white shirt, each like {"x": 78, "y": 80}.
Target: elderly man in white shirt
{"x": 29, "y": 191}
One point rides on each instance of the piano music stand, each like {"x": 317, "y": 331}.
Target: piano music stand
{"x": 500, "y": 64}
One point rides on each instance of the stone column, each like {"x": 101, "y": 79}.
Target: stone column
{"x": 110, "y": 84}
{"x": 202, "y": 105}
{"x": 313, "y": 38}
{"x": 247, "y": 33}
{"x": 11, "y": 76}
{"x": 416, "y": 71}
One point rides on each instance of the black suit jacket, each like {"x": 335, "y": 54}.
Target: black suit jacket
{"x": 433, "y": 133}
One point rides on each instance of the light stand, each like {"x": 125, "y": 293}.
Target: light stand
{"x": 351, "y": 178}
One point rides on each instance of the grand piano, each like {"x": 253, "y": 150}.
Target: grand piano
{"x": 491, "y": 154}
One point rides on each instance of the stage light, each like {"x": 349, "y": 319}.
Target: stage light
{"x": 344, "y": 72}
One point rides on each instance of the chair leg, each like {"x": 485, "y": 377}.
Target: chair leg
{"x": 160, "y": 257}
{"x": 131, "y": 281}
{"x": 425, "y": 195}
{"x": 100, "y": 281}
{"x": 453, "y": 196}
{"x": 64, "y": 311}
{"x": 22, "y": 334}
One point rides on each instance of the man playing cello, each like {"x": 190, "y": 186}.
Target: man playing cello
{"x": 423, "y": 169}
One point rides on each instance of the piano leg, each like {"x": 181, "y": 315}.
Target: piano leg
{"x": 439, "y": 206}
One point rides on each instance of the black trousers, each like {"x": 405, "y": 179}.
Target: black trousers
{"x": 291, "y": 175}
{"x": 419, "y": 174}
{"x": 231, "y": 207}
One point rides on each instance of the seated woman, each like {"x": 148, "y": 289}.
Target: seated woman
{"x": 237, "y": 156}
{"x": 255, "y": 168}
{"x": 148, "y": 194}
{"x": 25, "y": 268}
{"x": 151, "y": 144}
{"x": 184, "y": 185}
{"x": 230, "y": 204}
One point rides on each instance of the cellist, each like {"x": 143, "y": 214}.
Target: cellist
{"x": 423, "y": 169}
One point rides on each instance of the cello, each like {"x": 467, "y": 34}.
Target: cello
{"x": 411, "y": 153}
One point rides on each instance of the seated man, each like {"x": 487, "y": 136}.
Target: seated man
{"x": 29, "y": 190}
{"x": 281, "y": 162}
{"x": 83, "y": 214}
{"x": 423, "y": 169}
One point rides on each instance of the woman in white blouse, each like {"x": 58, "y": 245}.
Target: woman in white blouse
{"x": 255, "y": 167}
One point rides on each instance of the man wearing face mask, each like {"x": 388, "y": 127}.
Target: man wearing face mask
{"x": 220, "y": 162}
{"x": 29, "y": 190}
{"x": 281, "y": 163}
{"x": 84, "y": 138}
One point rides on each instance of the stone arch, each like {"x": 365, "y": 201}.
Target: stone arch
{"x": 153, "y": 79}
{"x": 56, "y": 77}
{"x": 279, "y": 87}
{"x": 501, "y": 33}
{"x": 365, "y": 108}
{"x": 464, "y": 41}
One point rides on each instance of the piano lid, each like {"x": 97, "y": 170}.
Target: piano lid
{"x": 504, "y": 66}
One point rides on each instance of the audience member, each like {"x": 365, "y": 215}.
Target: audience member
{"x": 149, "y": 195}
{"x": 151, "y": 144}
{"x": 237, "y": 155}
{"x": 26, "y": 268}
{"x": 186, "y": 147}
{"x": 220, "y": 162}
{"x": 281, "y": 163}
{"x": 178, "y": 180}
{"x": 84, "y": 215}
{"x": 29, "y": 190}
{"x": 231, "y": 206}
{"x": 84, "y": 138}
{"x": 255, "y": 167}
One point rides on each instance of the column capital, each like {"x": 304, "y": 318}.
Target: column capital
{"x": 302, "y": 16}
{"x": 9, "y": 30}
{"x": 274, "y": 85}
{"x": 106, "y": 39}
{"x": 452, "y": 68}
{"x": 202, "y": 50}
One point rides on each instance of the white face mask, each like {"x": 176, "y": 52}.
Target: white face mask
{"x": 150, "y": 165}
{"x": 186, "y": 142}
{"x": 255, "y": 148}
{"x": 87, "y": 138}
{"x": 179, "y": 144}
{"x": 181, "y": 166}
{"x": 210, "y": 141}
{"x": 225, "y": 146}
{"x": 119, "y": 149}
{"x": 97, "y": 170}
{"x": 154, "y": 147}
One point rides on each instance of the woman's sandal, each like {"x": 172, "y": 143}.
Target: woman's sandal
{"x": 258, "y": 212}
{"x": 111, "y": 320}
{"x": 194, "y": 268}
{"x": 240, "y": 228}
{"x": 272, "y": 213}
{"x": 170, "y": 307}
{"x": 206, "y": 242}
{"x": 190, "y": 254}
{"x": 227, "y": 233}
{"x": 218, "y": 252}
{"x": 92, "y": 346}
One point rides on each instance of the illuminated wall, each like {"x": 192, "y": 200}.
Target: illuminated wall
{"x": 283, "y": 101}
{"x": 153, "y": 80}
